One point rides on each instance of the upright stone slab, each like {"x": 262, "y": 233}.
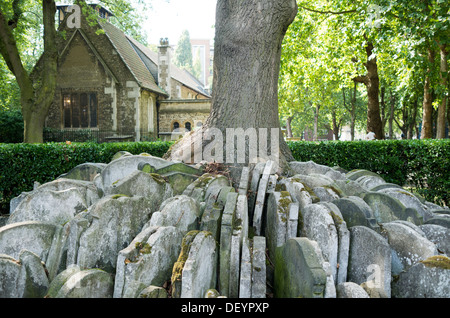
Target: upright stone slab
{"x": 298, "y": 272}
{"x": 257, "y": 171}
{"x": 239, "y": 235}
{"x": 89, "y": 283}
{"x": 148, "y": 259}
{"x": 226, "y": 231}
{"x": 387, "y": 208}
{"x": 115, "y": 223}
{"x": 122, "y": 167}
{"x": 429, "y": 278}
{"x": 245, "y": 180}
{"x": 181, "y": 211}
{"x": 292, "y": 225}
{"x": 439, "y": 235}
{"x": 369, "y": 262}
{"x": 409, "y": 200}
{"x": 199, "y": 271}
{"x": 147, "y": 185}
{"x": 318, "y": 225}
{"x": 177, "y": 270}
{"x": 56, "y": 207}
{"x": 278, "y": 204}
{"x": 245, "y": 280}
{"x": 356, "y": 211}
{"x": 351, "y": 290}
{"x": 10, "y": 270}
{"x": 212, "y": 216}
{"x": 259, "y": 267}
{"x": 24, "y": 277}
{"x": 310, "y": 167}
{"x": 343, "y": 241}
{"x": 410, "y": 246}
{"x": 260, "y": 198}
{"x": 85, "y": 171}
{"x": 43, "y": 239}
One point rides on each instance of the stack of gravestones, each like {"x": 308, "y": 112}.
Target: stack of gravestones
{"x": 144, "y": 227}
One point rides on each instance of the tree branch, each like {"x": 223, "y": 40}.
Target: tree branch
{"x": 361, "y": 79}
{"x": 327, "y": 12}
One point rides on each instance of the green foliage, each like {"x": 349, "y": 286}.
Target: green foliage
{"x": 183, "y": 53}
{"x": 23, "y": 164}
{"x": 11, "y": 126}
{"x": 422, "y": 165}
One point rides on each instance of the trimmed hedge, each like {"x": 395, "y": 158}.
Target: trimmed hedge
{"x": 421, "y": 165}
{"x": 23, "y": 164}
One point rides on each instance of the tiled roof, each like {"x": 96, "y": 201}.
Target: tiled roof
{"x": 143, "y": 62}
{"x": 131, "y": 58}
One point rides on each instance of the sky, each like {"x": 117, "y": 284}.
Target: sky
{"x": 168, "y": 18}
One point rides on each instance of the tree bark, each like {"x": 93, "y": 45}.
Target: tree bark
{"x": 441, "y": 120}
{"x": 247, "y": 56}
{"x": 372, "y": 82}
{"x": 427, "y": 120}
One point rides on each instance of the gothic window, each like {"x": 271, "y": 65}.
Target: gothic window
{"x": 80, "y": 110}
{"x": 187, "y": 125}
{"x": 176, "y": 125}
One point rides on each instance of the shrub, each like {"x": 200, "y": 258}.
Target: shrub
{"x": 11, "y": 126}
{"x": 421, "y": 165}
{"x": 23, "y": 164}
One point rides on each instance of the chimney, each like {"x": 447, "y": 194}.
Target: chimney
{"x": 164, "y": 63}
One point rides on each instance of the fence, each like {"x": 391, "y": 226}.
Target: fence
{"x": 93, "y": 135}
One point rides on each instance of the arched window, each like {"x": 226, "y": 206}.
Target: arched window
{"x": 176, "y": 125}
{"x": 187, "y": 125}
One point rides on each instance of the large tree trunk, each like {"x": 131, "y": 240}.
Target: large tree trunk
{"x": 427, "y": 115}
{"x": 36, "y": 89}
{"x": 441, "y": 120}
{"x": 247, "y": 56}
{"x": 372, "y": 82}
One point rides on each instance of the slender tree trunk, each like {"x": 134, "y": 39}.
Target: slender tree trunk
{"x": 353, "y": 113}
{"x": 247, "y": 56}
{"x": 383, "y": 114}
{"x": 441, "y": 120}
{"x": 372, "y": 82}
{"x": 391, "y": 115}
{"x": 316, "y": 122}
{"x": 336, "y": 124}
{"x": 427, "y": 119}
{"x": 412, "y": 120}
{"x": 289, "y": 127}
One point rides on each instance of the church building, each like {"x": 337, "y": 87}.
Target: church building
{"x": 110, "y": 83}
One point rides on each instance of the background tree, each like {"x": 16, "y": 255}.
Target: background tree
{"x": 183, "y": 52}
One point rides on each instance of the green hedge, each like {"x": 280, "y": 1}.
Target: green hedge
{"x": 422, "y": 165}
{"x": 22, "y": 164}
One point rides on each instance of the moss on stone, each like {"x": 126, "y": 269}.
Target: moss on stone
{"x": 184, "y": 253}
{"x": 437, "y": 261}
{"x": 116, "y": 196}
{"x": 144, "y": 248}
{"x": 158, "y": 178}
